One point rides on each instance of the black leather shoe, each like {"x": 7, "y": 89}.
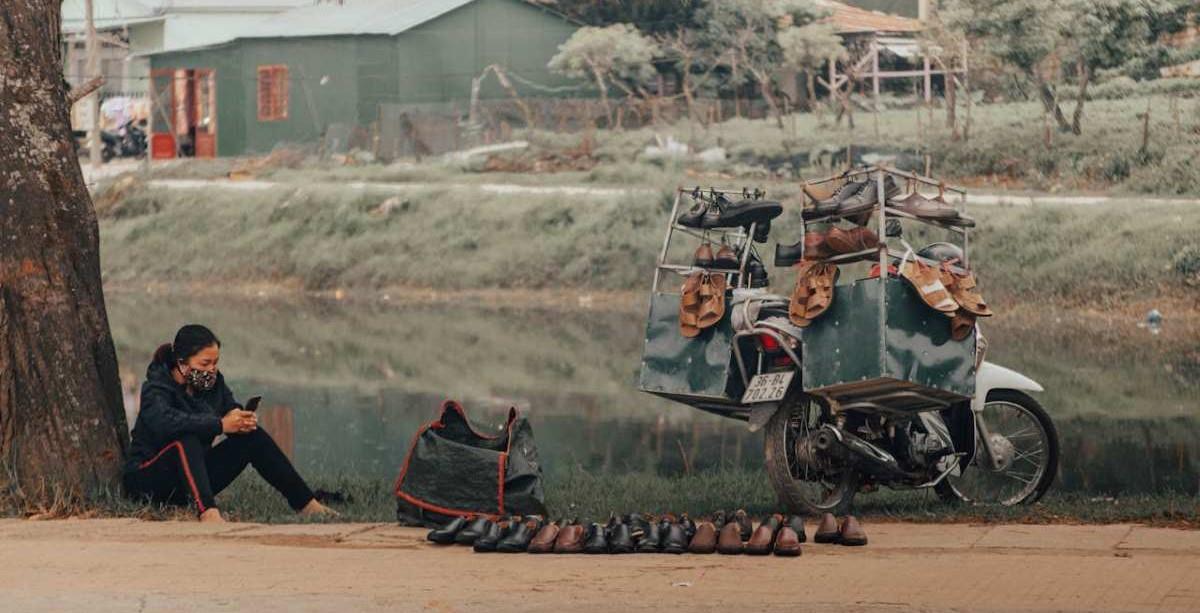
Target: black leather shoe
{"x": 519, "y": 536}
{"x": 491, "y": 537}
{"x": 694, "y": 217}
{"x": 637, "y": 526}
{"x": 689, "y": 526}
{"x": 620, "y": 540}
{"x": 827, "y": 206}
{"x": 649, "y": 543}
{"x": 761, "y": 232}
{"x": 676, "y": 540}
{"x": 596, "y": 541}
{"x": 740, "y": 213}
{"x": 445, "y": 535}
{"x": 473, "y": 530}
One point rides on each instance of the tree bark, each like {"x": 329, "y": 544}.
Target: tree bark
{"x": 63, "y": 433}
{"x": 1085, "y": 77}
{"x": 1050, "y": 102}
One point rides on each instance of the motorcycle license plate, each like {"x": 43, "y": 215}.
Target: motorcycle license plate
{"x": 768, "y": 387}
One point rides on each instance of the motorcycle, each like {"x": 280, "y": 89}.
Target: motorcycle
{"x": 128, "y": 141}
{"x": 874, "y": 393}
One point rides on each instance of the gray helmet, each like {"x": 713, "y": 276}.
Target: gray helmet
{"x": 941, "y": 252}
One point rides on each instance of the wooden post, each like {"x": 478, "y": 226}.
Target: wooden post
{"x": 875, "y": 82}
{"x": 928, "y": 88}
{"x": 967, "y": 91}
{"x": 93, "y": 71}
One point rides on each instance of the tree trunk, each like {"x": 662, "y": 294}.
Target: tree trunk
{"x": 62, "y": 423}
{"x": 1085, "y": 77}
{"x": 608, "y": 114}
{"x": 1050, "y": 103}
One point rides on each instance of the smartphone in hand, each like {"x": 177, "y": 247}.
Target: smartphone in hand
{"x": 252, "y": 403}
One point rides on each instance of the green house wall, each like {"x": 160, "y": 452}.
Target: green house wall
{"x": 431, "y": 63}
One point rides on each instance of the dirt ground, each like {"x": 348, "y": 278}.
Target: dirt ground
{"x": 126, "y": 564}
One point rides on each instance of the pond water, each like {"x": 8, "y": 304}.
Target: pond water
{"x": 346, "y": 385}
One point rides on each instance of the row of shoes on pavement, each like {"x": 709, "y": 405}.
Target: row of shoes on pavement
{"x": 729, "y": 534}
{"x": 855, "y": 200}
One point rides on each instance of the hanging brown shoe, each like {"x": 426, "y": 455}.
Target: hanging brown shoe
{"x": 961, "y": 325}
{"x": 703, "y": 256}
{"x": 851, "y": 241}
{"x": 851, "y": 533}
{"x": 543, "y": 541}
{"x": 827, "y": 530}
{"x": 821, "y": 283}
{"x": 791, "y": 534}
{"x": 923, "y": 208}
{"x": 963, "y": 289}
{"x": 712, "y": 300}
{"x": 726, "y": 258}
{"x": 729, "y": 541}
{"x": 763, "y": 540}
{"x": 705, "y": 539}
{"x": 689, "y": 305}
{"x": 928, "y": 283}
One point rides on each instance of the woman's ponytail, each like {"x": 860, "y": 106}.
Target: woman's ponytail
{"x": 164, "y": 354}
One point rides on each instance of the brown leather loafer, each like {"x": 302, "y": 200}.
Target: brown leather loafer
{"x": 543, "y": 541}
{"x": 852, "y": 240}
{"x": 787, "y": 544}
{"x": 827, "y": 530}
{"x": 763, "y": 540}
{"x": 705, "y": 539}
{"x": 851, "y": 533}
{"x": 729, "y": 541}
{"x": 570, "y": 539}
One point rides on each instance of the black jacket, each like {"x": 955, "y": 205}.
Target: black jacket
{"x": 168, "y": 412}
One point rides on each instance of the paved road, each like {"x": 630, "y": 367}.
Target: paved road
{"x": 121, "y": 565}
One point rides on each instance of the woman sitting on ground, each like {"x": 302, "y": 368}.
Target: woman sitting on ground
{"x": 185, "y": 404}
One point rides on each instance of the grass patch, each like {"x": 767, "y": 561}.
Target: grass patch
{"x": 588, "y": 496}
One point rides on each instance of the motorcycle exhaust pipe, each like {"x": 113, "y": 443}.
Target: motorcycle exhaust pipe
{"x": 876, "y": 460}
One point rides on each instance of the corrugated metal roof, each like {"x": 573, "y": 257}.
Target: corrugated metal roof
{"x": 848, "y": 19}
{"x": 380, "y": 17}
{"x": 389, "y": 17}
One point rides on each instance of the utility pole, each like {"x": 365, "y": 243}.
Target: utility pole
{"x": 93, "y": 71}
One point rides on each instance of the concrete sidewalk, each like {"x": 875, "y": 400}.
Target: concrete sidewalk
{"x": 121, "y": 564}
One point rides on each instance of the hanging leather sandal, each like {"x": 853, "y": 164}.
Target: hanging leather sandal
{"x": 689, "y": 305}
{"x": 712, "y": 300}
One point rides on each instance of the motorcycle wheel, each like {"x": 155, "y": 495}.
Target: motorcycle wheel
{"x": 1028, "y": 445}
{"x": 801, "y": 490}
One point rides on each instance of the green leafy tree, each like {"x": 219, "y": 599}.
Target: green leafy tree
{"x": 649, "y": 16}
{"x": 742, "y": 37}
{"x": 808, "y": 48}
{"x": 613, "y": 56}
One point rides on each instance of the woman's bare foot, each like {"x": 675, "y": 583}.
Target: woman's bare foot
{"x": 315, "y": 508}
{"x": 211, "y": 516}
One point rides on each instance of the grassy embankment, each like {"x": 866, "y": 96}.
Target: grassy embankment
{"x": 323, "y": 238}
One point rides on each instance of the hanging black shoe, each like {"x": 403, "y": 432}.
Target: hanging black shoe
{"x": 491, "y": 537}
{"x": 761, "y": 232}
{"x": 829, "y": 205}
{"x": 596, "y": 541}
{"x": 676, "y": 540}
{"x": 472, "y": 531}
{"x": 741, "y": 213}
{"x": 650, "y": 541}
{"x": 518, "y": 537}
{"x": 864, "y": 200}
{"x": 620, "y": 540}
{"x": 693, "y": 217}
{"x": 445, "y": 535}
{"x": 758, "y": 274}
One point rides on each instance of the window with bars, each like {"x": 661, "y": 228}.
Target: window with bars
{"x": 272, "y": 92}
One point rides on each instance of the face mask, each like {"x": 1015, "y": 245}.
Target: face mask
{"x": 200, "y": 380}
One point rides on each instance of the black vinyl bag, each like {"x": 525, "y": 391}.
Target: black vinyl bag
{"x": 452, "y": 470}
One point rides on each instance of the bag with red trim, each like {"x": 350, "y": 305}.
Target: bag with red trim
{"x": 452, "y": 470}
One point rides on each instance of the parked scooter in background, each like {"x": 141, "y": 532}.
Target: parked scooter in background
{"x": 129, "y": 141}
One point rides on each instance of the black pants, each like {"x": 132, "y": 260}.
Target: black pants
{"x": 188, "y": 469}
